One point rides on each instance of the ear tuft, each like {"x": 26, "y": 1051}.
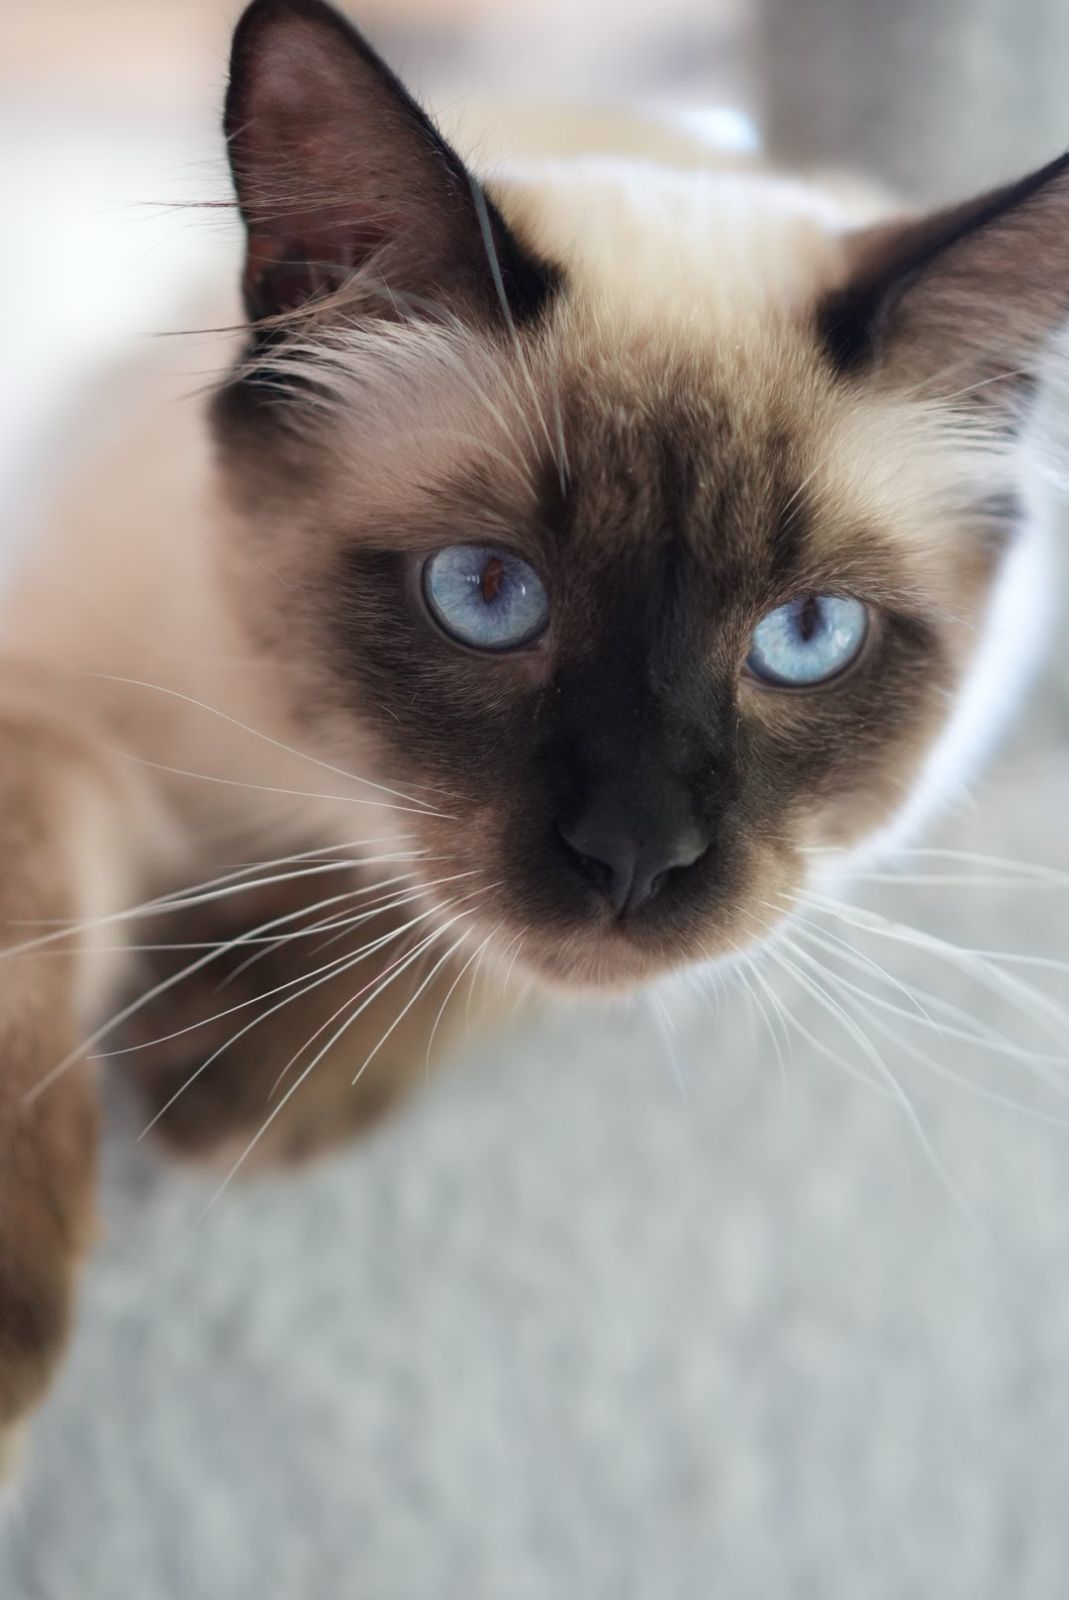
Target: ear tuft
{"x": 338, "y": 171}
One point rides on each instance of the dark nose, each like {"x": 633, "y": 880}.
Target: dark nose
{"x": 629, "y": 858}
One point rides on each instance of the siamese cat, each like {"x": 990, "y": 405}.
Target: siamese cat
{"x": 566, "y": 567}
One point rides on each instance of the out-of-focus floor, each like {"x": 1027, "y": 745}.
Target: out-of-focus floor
{"x": 611, "y": 1311}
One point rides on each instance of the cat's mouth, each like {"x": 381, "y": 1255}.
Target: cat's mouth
{"x": 613, "y": 961}
{"x": 599, "y": 921}
{"x": 613, "y": 953}
{"x": 597, "y": 962}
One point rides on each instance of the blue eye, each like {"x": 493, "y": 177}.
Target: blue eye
{"x": 809, "y": 640}
{"x": 485, "y": 598}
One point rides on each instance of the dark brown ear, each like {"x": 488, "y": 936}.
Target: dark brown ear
{"x": 965, "y": 301}
{"x": 337, "y": 169}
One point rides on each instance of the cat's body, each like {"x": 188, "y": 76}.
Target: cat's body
{"x": 676, "y": 399}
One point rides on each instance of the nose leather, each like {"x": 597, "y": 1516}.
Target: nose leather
{"x": 628, "y": 855}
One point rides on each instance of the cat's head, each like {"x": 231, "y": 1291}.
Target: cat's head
{"x": 644, "y": 526}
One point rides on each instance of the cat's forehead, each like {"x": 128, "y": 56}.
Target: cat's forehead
{"x": 746, "y": 452}
{"x": 686, "y": 361}
{"x": 658, "y": 247}
{"x": 606, "y": 443}
{"x": 653, "y": 455}
{"x": 675, "y": 389}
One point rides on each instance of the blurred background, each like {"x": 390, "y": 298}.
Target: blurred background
{"x": 623, "y": 1306}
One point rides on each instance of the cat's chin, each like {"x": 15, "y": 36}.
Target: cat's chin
{"x": 605, "y": 965}
{"x": 617, "y": 957}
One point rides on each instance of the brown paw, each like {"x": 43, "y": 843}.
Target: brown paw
{"x": 215, "y": 1054}
{"x": 208, "y": 1093}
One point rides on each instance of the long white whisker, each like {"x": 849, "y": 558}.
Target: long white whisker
{"x": 396, "y": 902}
{"x": 278, "y": 744}
{"x": 100, "y": 1033}
{"x": 1024, "y": 995}
{"x": 342, "y": 922}
{"x": 848, "y": 988}
{"x": 313, "y": 1063}
{"x": 814, "y": 1040}
{"x": 174, "y": 902}
{"x": 406, "y": 1008}
{"x": 483, "y": 216}
{"x": 821, "y": 995}
{"x": 345, "y": 920}
{"x": 273, "y": 788}
{"x": 947, "y": 880}
{"x": 968, "y": 857}
{"x": 472, "y": 982}
{"x": 517, "y": 946}
{"x": 667, "y": 1029}
{"x": 973, "y": 1033}
{"x": 475, "y": 955}
{"x": 445, "y": 906}
{"x": 386, "y": 888}
{"x": 941, "y": 1070}
{"x": 748, "y": 964}
{"x": 176, "y": 898}
{"x": 308, "y": 982}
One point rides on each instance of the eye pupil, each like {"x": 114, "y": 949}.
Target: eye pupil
{"x": 809, "y": 620}
{"x": 493, "y": 573}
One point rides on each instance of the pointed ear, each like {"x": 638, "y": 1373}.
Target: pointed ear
{"x": 337, "y": 168}
{"x": 969, "y": 299}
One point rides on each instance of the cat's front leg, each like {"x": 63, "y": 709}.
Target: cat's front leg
{"x": 267, "y": 1055}
{"x": 47, "y": 1151}
{"x": 67, "y": 837}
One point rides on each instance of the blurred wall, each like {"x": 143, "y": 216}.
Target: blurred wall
{"x": 941, "y": 97}
{"x": 160, "y": 53}
{"x": 936, "y": 94}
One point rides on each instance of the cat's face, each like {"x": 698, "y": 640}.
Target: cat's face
{"x": 645, "y": 595}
